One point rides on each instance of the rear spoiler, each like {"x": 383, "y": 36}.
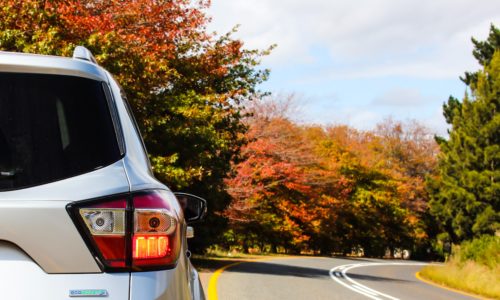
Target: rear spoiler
{"x": 83, "y": 53}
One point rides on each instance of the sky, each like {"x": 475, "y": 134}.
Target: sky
{"x": 358, "y": 62}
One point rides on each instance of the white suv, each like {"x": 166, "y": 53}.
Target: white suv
{"x": 81, "y": 214}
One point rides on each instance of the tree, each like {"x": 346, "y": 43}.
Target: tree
{"x": 269, "y": 187}
{"x": 483, "y": 52}
{"x": 186, "y": 86}
{"x": 329, "y": 190}
{"x": 466, "y": 192}
{"x": 384, "y": 201}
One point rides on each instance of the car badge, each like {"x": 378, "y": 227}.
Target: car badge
{"x": 88, "y": 293}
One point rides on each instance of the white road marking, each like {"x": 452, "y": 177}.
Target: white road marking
{"x": 359, "y": 288}
{"x": 366, "y": 290}
{"x": 350, "y": 287}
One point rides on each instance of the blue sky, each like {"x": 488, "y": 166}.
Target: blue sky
{"x": 360, "y": 61}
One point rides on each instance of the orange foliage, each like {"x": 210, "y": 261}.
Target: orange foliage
{"x": 334, "y": 188}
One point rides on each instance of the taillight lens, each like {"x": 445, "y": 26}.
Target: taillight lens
{"x": 155, "y": 234}
{"x": 136, "y": 232}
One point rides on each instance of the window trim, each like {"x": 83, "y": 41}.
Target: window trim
{"x": 128, "y": 108}
{"x": 115, "y": 118}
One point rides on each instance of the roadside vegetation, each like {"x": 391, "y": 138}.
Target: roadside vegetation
{"x": 465, "y": 193}
{"x": 311, "y": 189}
{"x": 473, "y": 267}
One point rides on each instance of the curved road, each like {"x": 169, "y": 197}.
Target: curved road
{"x": 324, "y": 278}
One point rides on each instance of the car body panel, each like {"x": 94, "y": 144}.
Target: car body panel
{"x": 136, "y": 163}
{"x": 36, "y": 220}
{"x": 171, "y": 284}
{"x": 45, "y": 64}
{"x": 108, "y": 180}
{"x": 24, "y": 279}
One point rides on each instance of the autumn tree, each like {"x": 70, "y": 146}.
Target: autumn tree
{"x": 329, "y": 190}
{"x": 408, "y": 153}
{"x": 381, "y": 201}
{"x": 466, "y": 194}
{"x": 269, "y": 187}
{"x": 185, "y": 85}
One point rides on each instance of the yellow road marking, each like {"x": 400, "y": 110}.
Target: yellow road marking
{"x": 417, "y": 275}
{"x": 212, "y": 284}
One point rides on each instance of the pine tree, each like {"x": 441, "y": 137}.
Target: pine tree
{"x": 483, "y": 52}
{"x": 466, "y": 194}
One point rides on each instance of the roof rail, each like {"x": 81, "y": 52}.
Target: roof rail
{"x": 83, "y": 53}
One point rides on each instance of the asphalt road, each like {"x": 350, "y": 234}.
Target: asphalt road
{"x": 324, "y": 278}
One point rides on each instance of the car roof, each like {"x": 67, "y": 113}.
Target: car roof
{"x": 46, "y": 64}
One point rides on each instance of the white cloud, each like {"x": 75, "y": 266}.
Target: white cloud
{"x": 401, "y": 97}
{"x": 364, "y": 38}
{"x": 334, "y": 113}
{"x": 359, "y": 61}
{"x": 398, "y": 103}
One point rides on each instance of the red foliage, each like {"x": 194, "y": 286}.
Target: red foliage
{"x": 304, "y": 185}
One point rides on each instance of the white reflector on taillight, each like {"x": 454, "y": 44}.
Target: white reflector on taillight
{"x": 153, "y": 221}
{"x": 152, "y": 228}
{"x": 156, "y": 237}
{"x": 104, "y": 221}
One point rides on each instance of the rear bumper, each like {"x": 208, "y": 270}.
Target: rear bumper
{"x": 23, "y": 279}
{"x": 163, "y": 285}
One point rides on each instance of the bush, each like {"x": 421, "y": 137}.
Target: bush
{"x": 470, "y": 277}
{"x": 473, "y": 267}
{"x": 484, "y": 251}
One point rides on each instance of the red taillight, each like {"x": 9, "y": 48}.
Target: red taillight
{"x": 146, "y": 247}
{"x": 137, "y": 232}
{"x": 154, "y": 239}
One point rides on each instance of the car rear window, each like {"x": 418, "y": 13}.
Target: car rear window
{"x": 52, "y": 127}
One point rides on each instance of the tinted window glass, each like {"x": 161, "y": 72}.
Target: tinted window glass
{"x": 52, "y": 127}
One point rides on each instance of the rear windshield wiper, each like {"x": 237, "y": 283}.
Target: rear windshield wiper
{"x": 7, "y": 173}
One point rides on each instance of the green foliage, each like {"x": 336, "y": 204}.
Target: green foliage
{"x": 483, "y": 52}
{"x": 466, "y": 194}
{"x": 473, "y": 267}
{"x": 484, "y": 250}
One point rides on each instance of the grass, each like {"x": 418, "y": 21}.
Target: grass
{"x": 474, "y": 267}
{"x": 469, "y": 277}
